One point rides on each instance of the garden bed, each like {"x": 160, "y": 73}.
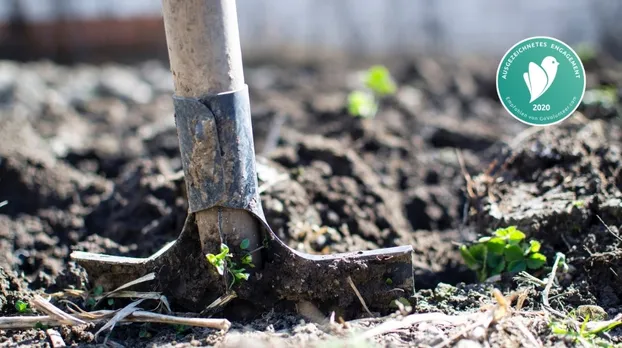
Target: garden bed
{"x": 89, "y": 161}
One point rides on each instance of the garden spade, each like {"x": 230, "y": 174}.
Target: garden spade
{"x": 212, "y": 116}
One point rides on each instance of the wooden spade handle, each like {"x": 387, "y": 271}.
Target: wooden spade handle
{"x": 205, "y": 57}
{"x": 203, "y": 46}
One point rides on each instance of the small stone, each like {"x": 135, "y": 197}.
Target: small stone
{"x": 320, "y": 241}
{"x": 592, "y": 311}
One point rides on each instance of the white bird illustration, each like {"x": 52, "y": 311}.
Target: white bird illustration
{"x": 539, "y": 78}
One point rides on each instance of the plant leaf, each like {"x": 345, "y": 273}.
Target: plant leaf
{"x": 536, "y": 260}
{"x": 362, "y": 104}
{"x": 469, "y": 260}
{"x": 559, "y": 328}
{"x": 495, "y": 264}
{"x": 247, "y": 259}
{"x": 484, "y": 239}
{"x": 496, "y": 245}
{"x": 534, "y": 246}
{"x": 498, "y": 268}
{"x": 503, "y": 232}
{"x": 224, "y": 250}
{"x": 211, "y": 258}
{"x": 217, "y": 262}
{"x": 515, "y": 236}
{"x": 379, "y": 80}
{"x": 220, "y": 267}
{"x": 517, "y": 266}
{"x": 98, "y": 290}
{"x": 479, "y": 252}
{"x": 21, "y": 306}
{"x": 245, "y": 244}
{"x": 513, "y": 253}
{"x": 241, "y": 276}
{"x": 493, "y": 260}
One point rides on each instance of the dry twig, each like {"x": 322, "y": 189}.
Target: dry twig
{"x": 46, "y": 307}
{"x": 547, "y": 289}
{"x": 145, "y": 278}
{"x": 358, "y": 294}
{"x": 27, "y": 322}
{"x": 119, "y": 315}
{"x": 609, "y": 229}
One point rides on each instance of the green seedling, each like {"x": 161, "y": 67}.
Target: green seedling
{"x": 505, "y": 251}
{"x": 378, "y": 83}
{"x": 220, "y": 260}
{"x": 224, "y": 261}
{"x": 21, "y": 306}
{"x": 245, "y": 244}
{"x": 379, "y": 80}
{"x": 586, "y": 334}
{"x": 97, "y": 291}
{"x": 362, "y": 104}
{"x": 247, "y": 260}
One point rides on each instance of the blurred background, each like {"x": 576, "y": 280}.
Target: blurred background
{"x": 99, "y": 30}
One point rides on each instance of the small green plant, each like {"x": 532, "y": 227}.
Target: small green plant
{"x": 362, "y": 104}
{"x": 224, "y": 261}
{"x": 586, "y": 334}
{"x": 97, "y": 291}
{"x": 379, "y": 80}
{"x": 378, "y": 83}
{"x": 22, "y": 306}
{"x": 505, "y": 251}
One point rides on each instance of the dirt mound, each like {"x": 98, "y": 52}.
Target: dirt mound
{"x": 562, "y": 185}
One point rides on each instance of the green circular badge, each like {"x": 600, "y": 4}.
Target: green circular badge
{"x": 541, "y": 81}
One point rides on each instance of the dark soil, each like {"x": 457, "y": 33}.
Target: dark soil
{"x": 89, "y": 160}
